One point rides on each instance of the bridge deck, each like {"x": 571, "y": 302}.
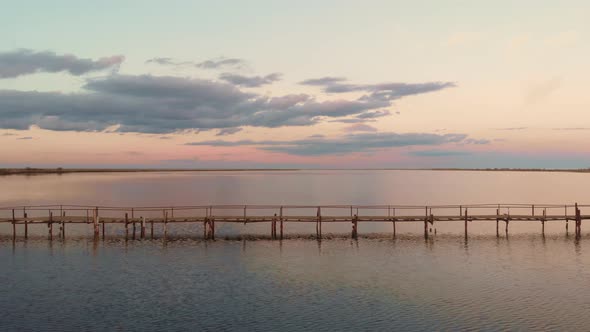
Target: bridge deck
{"x": 62, "y": 215}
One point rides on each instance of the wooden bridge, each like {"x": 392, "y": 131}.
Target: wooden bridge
{"x": 138, "y": 221}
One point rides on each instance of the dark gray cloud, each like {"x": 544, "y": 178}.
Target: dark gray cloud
{"x": 477, "y": 141}
{"x": 25, "y": 138}
{"x": 373, "y": 114}
{"x": 217, "y": 63}
{"x": 164, "y": 104}
{"x": 353, "y": 120}
{"x": 222, "y": 63}
{"x": 328, "y": 80}
{"x": 162, "y": 61}
{"x": 228, "y": 131}
{"x": 382, "y": 91}
{"x": 363, "y": 117}
{"x": 24, "y": 62}
{"x": 364, "y": 142}
{"x": 250, "y": 81}
{"x": 439, "y": 153}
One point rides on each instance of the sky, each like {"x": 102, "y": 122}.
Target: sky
{"x": 295, "y": 84}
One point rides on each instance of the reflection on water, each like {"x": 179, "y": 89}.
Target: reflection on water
{"x": 520, "y": 281}
{"x": 524, "y": 282}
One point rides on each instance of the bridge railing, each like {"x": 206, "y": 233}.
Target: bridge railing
{"x": 179, "y": 211}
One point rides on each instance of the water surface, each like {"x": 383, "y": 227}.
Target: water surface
{"x": 521, "y": 282}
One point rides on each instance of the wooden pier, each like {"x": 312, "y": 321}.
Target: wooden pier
{"x": 136, "y": 220}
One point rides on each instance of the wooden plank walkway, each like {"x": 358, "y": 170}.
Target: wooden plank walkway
{"x": 279, "y": 215}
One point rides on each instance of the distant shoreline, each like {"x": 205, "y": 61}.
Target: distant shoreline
{"x": 39, "y": 171}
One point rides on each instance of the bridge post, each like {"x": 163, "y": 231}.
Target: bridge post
{"x": 281, "y": 220}
{"x": 63, "y": 226}
{"x": 96, "y": 221}
{"x": 319, "y": 224}
{"x": 354, "y": 226}
{"x": 165, "y": 225}
{"x": 426, "y": 223}
{"x": 26, "y": 225}
{"x": 466, "y": 219}
{"x": 497, "y": 222}
{"x": 50, "y": 225}
{"x": 566, "y": 221}
{"x": 274, "y": 226}
{"x": 13, "y": 226}
{"x": 126, "y": 226}
{"x": 212, "y": 228}
{"x": 393, "y": 222}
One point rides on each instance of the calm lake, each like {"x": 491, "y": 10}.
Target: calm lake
{"x": 521, "y": 282}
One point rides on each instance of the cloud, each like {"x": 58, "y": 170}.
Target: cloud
{"x": 477, "y": 141}
{"x": 24, "y": 62}
{"x": 350, "y": 143}
{"x": 167, "y": 104}
{"x": 367, "y": 116}
{"x": 373, "y": 114}
{"x": 151, "y": 104}
{"x": 161, "y": 61}
{"x": 25, "y": 138}
{"x": 165, "y": 137}
{"x": 228, "y": 131}
{"x": 250, "y": 81}
{"x": 360, "y": 127}
{"x": 328, "y": 80}
{"x": 8, "y": 134}
{"x": 352, "y": 120}
{"x": 222, "y": 63}
{"x": 168, "y": 62}
{"x": 216, "y": 63}
{"x": 382, "y": 91}
{"x": 439, "y": 153}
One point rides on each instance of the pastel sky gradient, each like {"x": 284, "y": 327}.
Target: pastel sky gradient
{"x": 326, "y": 84}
